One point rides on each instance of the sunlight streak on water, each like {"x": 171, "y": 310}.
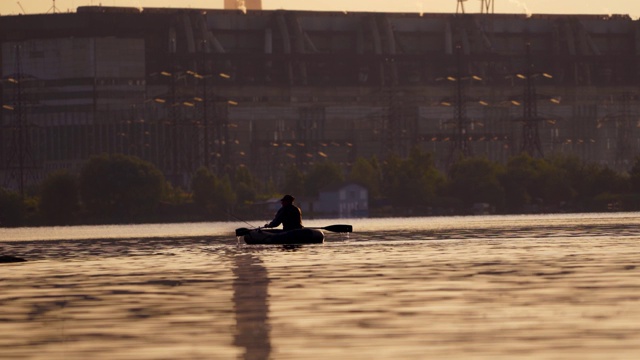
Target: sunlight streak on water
{"x": 116, "y": 231}
{"x": 501, "y": 287}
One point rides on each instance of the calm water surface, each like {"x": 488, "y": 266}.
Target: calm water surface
{"x": 496, "y": 287}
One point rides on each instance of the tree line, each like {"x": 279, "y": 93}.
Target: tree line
{"x": 123, "y": 189}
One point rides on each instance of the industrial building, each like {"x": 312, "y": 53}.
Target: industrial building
{"x": 185, "y": 88}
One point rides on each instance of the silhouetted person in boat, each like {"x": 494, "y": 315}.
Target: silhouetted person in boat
{"x": 288, "y": 215}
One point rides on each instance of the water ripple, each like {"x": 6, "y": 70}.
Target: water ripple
{"x": 563, "y": 287}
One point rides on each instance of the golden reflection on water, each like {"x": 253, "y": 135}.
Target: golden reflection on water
{"x": 466, "y": 300}
{"x": 251, "y": 306}
{"x": 543, "y": 287}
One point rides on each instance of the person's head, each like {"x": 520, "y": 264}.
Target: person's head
{"x": 287, "y": 199}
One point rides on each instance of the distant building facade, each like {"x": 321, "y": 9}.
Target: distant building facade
{"x": 347, "y": 200}
{"x": 185, "y": 88}
{"x": 77, "y": 97}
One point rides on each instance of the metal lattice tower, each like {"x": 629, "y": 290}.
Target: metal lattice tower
{"x": 398, "y": 130}
{"x": 19, "y": 160}
{"x": 310, "y": 125}
{"x": 487, "y": 6}
{"x": 212, "y": 136}
{"x": 530, "y": 128}
{"x": 460, "y": 138}
{"x": 53, "y": 8}
{"x": 624, "y": 116}
{"x": 460, "y": 7}
{"x": 625, "y": 131}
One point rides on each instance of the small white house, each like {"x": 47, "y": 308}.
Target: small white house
{"x": 346, "y": 200}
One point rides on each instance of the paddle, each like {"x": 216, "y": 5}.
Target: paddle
{"x": 333, "y": 228}
{"x": 336, "y": 228}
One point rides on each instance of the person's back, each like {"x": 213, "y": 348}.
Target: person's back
{"x": 289, "y": 215}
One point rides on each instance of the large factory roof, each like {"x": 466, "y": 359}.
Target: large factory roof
{"x": 495, "y": 44}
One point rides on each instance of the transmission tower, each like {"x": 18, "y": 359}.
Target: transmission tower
{"x": 53, "y": 8}
{"x": 460, "y": 138}
{"x": 487, "y": 7}
{"x": 19, "y": 161}
{"x": 625, "y": 131}
{"x": 624, "y": 119}
{"x": 460, "y": 7}
{"x": 530, "y": 119}
{"x": 530, "y": 128}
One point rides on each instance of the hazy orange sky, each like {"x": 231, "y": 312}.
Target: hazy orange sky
{"x": 629, "y": 7}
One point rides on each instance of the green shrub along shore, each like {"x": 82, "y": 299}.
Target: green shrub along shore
{"x": 113, "y": 189}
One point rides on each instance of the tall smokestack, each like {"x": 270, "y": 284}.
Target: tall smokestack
{"x": 243, "y": 4}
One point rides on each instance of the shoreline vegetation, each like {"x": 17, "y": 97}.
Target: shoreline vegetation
{"x": 120, "y": 189}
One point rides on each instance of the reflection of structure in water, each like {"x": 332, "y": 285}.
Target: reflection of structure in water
{"x": 250, "y": 297}
{"x": 184, "y": 88}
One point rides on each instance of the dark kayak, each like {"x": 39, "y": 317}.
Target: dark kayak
{"x": 279, "y": 236}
